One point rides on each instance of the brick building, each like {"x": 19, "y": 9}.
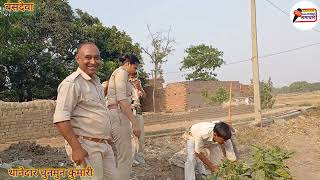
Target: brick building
{"x": 147, "y": 103}
{"x": 184, "y": 96}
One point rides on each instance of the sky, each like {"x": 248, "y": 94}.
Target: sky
{"x": 224, "y": 25}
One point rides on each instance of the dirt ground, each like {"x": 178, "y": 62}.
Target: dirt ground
{"x": 158, "y": 151}
{"x": 300, "y": 135}
{"x": 157, "y": 154}
{"x": 42, "y": 156}
{"x": 309, "y": 98}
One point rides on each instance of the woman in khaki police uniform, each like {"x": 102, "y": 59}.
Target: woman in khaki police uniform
{"x": 119, "y": 104}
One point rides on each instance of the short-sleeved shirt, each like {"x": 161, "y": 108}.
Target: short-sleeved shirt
{"x": 135, "y": 96}
{"x": 81, "y": 100}
{"x": 119, "y": 87}
{"x": 202, "y": 134}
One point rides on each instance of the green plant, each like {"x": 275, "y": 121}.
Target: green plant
{"x": 219, "y": 97}
{"x": 267, "y": 100}
{"x": 232, "y": 171}
{"x": 269, "y": 164}
{"x": 202, "y": 60}
{"x": 266, "y": 164}
{"x": 299, "y": 86}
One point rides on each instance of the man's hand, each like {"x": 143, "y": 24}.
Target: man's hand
{"x": 137, "y": 83}
{"x": 214, "y": 168}
{"x": 206, "y": 161}
{"x": 126, "y": 109}
{"x": 79, "y": 155}
{"x": 136, "y": 129}
{"x": 140, "y": 93}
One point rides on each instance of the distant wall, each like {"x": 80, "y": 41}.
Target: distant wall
{"x": 176, "y": 97}
{"x": 147, "y": 102}
{"x": 195, "y": 88}
{"x": 33, "y": 120}
{"x": 27, "y": 120}
{"x": 183, "y": 96}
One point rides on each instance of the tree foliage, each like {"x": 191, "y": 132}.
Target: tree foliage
{"x": 299, "y": 86}
{"x": 220, "y": 96}
{"x": 202, "y": 60}
{"x": 267, "y": 100}
{"x": 37, "y": 48}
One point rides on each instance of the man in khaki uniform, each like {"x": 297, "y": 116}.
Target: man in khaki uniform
{"x": 212, "y": 138}
{"x": 81, "y": 116}
{"x": 119, "y": 104}
{"x": 137, "y": 93}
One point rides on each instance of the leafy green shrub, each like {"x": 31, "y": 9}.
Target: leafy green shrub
{"x": 266, "y": 164}
{"x": 269, "y": 164}
{"x": 219, "y": 97}
{"x": 267, "y": 100}
{"x": 232, "y": 171}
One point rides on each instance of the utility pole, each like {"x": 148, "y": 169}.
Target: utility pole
{"x": 255, "y": 64}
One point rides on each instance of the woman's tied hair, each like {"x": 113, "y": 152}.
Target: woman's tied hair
{"x": 131, "y": 58}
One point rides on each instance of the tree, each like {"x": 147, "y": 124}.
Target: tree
{"x": 37, "y": 48}
{"x": 33, "y": 48}
{"x": 267, "y": 100}
{"x": 299, "y": 86}
{"x": 202, "y": 60}
{"x": 219, "y": 97}
{"x": 2, "y": 78}
{"x": 161, "y": 47}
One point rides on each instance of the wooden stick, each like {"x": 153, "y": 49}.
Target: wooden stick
{"x": 230, "y": 97}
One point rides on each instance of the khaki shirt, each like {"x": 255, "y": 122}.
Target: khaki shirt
{"x": 202, "y": 134}
{"x": 135, "y": 96}
{"x": 81, "y": 100}
{"x": 119, "y": 87}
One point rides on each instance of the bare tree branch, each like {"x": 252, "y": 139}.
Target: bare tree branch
{"x": 147, "y": 52}
{"x": 161, "y": 48}
{"x": 168, "y": 39}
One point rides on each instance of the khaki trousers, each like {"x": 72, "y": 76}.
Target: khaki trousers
{"x": 141, "y": 139}
{"x": 101, "y": 159}
{"x": 138, "y": 144}
{"x": 121, "y": 137}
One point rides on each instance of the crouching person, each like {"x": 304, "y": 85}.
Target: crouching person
{"x": 212, "y": 143}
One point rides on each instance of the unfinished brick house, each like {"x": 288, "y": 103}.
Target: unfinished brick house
{"x": 184, "y": 96}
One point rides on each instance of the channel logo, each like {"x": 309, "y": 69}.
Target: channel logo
{"x": 304, "y": 15}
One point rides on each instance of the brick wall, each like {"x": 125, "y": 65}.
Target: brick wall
{"x": 246, "y": 90}
{"x": 197, "y": 114}
{"x": 26, "y": 121}
{"x": 184, "y": 96}
{"x": 147, "y": 102}
{"x": 33, "y": 120}
{"x": 176, "y": 97}
{"x": 194, "y": 89}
